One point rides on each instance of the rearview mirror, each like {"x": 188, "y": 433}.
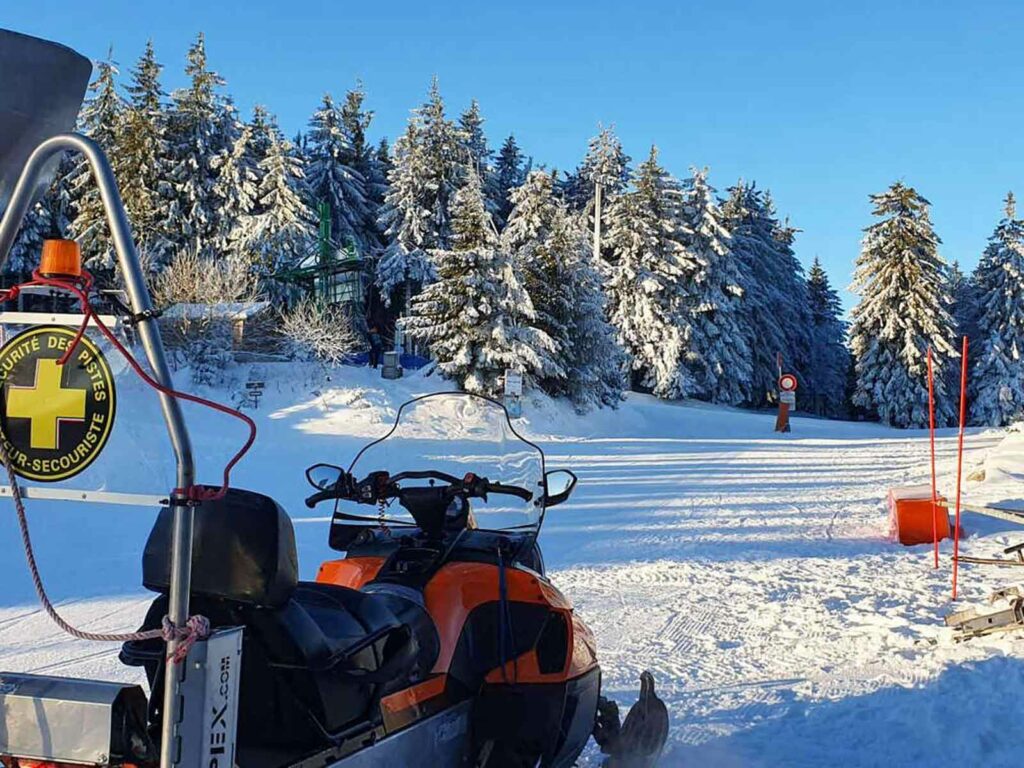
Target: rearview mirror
{"x": 324, "y": 476}
{"x": 558, "y": 486}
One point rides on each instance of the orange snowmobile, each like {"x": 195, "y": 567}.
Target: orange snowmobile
{"x": 437, "y": 640}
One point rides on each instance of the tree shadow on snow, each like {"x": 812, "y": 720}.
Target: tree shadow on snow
{"x": 968, "y": 715}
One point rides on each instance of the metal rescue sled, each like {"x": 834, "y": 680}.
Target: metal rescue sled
{"x": 437, "y": 640}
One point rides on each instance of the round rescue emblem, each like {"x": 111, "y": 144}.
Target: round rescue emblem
{"x": 56, "y": 418}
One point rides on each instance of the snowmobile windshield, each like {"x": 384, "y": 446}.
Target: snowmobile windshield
{"x": 458, "y": 434}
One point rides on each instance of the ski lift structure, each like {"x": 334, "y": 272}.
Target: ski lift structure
{"x": 335, "y": 274}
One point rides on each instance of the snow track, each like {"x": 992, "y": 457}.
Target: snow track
{"x": 755, "y": 581}
{"x": 750, "y": 572}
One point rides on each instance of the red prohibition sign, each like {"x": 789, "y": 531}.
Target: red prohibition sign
{"x": 787, "y": 382}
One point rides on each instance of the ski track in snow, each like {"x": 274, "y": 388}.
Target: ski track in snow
{"x": 750, "y": 572}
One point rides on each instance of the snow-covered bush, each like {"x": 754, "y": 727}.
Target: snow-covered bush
{"x": 313, "y": 330}
{"x": 198, "y": 296}
{"x": 207, "y": 349}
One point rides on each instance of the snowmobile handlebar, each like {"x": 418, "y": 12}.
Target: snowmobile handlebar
{"x": 381, "y": 486}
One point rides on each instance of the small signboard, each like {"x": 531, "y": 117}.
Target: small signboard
{"x": 787, "y": 383}
{"x": 513, "y": 383}
{"x": 254, "y": 390}
{"x": 788, "y": 397}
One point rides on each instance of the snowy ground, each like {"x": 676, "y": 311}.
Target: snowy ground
{"x": 750, "y": 572}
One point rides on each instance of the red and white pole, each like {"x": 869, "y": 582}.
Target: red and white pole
{"x": 931, "y": 431}
{"x": 960, "y": 460}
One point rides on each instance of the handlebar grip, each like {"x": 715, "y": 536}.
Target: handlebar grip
{"x": 511, "y": 490}
{"x": 316, "y": 498}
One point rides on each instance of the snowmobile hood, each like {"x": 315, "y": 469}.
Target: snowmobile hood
{"x": 42, "y": 85}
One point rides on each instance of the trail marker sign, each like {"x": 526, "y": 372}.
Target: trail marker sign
{"x": 787, "y": 400}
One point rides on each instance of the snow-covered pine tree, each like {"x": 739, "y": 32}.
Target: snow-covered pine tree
{"x": 829, "y": 364}
{"x": 791, "y": 290}
{"x": 355, "y": 121}
{"x": 239, "y": 176}
{"x": 442, "y": 161}
{"x": 367, "y": 161}
{"x": 592, "y": 359}
{"x": 608, "y": 165}
{"x": 478, "y": 154}
{"x": 332, "y": 177}
{"x": 475, "y": 318}
{"x": 998, "y": 376}
{"x": 377, "y": 181}
{"x": 644, "y": 290}
{"x": 901, "y": 279}
{"x": 405, "y": 265}
{"x": 774, "y": 318}
{"x": 101, "y": 119}
{"x": 49, "y": 217}
{"x": 509, "y": 173}
{"x": 718, "y": 353}
{"x": 527, "y": 239}
{"x": 964, "y": 295}
{"x": 142, "y": 160}
{"x": 474, "y": 142}
{"x": 24, "y": 253}
{"x": 199, "y": 136}
{"x": 284, "y": 230}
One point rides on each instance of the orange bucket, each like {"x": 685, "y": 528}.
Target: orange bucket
{"x": 910, "y": 515}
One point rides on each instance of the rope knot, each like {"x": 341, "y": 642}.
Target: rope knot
{"x": 195, "y": 628}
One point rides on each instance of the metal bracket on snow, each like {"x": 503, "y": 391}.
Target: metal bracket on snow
{"x": 969, "y": 623}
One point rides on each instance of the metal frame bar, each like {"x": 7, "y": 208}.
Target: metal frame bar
{"x": 95, "y": 497}
{"x": 141, "y": 303}
{"x": 54, "y": 318}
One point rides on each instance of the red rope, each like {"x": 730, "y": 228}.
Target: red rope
{"x": 196, "y": 627}
{"x": 80, "y": 289}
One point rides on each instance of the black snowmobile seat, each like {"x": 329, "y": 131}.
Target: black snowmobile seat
{"x": 315, "y": 657}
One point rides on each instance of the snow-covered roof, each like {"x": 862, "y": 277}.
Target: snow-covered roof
{"x": 233, "y": 310}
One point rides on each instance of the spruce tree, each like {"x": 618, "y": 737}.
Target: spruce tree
{"x": 477, "y": 153}
{"x": 593, "y": 361}
{"x": 607, "y": 165}
{"x": 49, "y": 217}
{"x": 406, "y": 221}
{"x": 239, "y": 177}
{"x": 333, "y": 178}
{"x": 200, "y": 127}
{"x": 355, "y": 121}
{"x": 284, "y": 231}
{"x": 718, "y": 353}
{"x": 101, "y": 119}
{"x": 998, "y": 376}
{"x": 142, "y": 161}
{"x": 474, "y": 142}
{"x": 442, "y": 162}
{"x": 509, "y": 173}
{"x": 541, "y": 268}
{"x": 964, "y": 296}
{"x": 644, "y": 290}
{"x": 475, "y": 318}
{"x": 903, "y": 309}
{"x": 775, "y": 316}
{"x": 828, "y": 369}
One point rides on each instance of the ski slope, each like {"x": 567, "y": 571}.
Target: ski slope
{"x": 749, "y": 571}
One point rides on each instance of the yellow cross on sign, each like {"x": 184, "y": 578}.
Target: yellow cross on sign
{"x": 45, "y": 404}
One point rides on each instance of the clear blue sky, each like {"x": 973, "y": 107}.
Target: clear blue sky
{"x": 821, "y": 102}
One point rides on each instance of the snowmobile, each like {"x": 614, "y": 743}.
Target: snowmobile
{"x": 437, "y": 639}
